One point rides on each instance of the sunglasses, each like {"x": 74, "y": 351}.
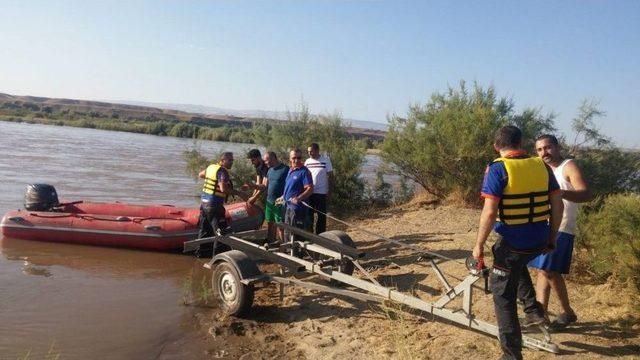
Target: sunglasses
{"x": 296, "y": 158}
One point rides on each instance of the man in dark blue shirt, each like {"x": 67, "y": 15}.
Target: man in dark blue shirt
{"x": 298, "y": 186}
{"x": 522, "y": 193}
{"x": 273, "y": 182}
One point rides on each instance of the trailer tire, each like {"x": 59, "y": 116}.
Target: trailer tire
{"x": 234, "y": 297}
{"x": 346, "y": 267}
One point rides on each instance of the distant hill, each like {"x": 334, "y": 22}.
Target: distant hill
{"x": 130, "y": 110}
{"x": 210, "y": 110}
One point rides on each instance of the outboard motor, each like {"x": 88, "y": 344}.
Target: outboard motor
{"x": 40, "y": 197}
{"x": 243, "y": 217}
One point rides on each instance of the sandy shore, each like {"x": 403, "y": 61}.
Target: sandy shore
{"x": 314, "y": 325}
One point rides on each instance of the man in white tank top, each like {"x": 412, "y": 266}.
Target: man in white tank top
{"x": 552, "y": 265}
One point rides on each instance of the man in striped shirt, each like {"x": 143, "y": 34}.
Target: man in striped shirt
{"x": 322, "y": 174}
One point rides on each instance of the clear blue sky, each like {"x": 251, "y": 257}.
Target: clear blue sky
{"x": 366, "y": 59}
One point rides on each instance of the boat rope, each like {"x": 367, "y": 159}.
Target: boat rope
{"x": 53, "y": 216}
{"x": 396, "y": 242}
{"x": 117, "y": 219}
{"x": 138, "y": 220}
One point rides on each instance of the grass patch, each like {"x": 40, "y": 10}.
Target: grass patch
{"x": 196, "y": 293}
{"x": 400, "y": 330}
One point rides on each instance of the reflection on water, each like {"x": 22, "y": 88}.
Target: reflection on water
{"x": 92, "y": 302}
{"x": 98, "y": 262}
{"x": 88, "y": 302}
{"x": 95, "y": 302}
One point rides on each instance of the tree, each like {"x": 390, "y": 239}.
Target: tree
{"x": 607, "y": 168}
{"x": 445, "y": 144}
{"x": 586, "y": 133}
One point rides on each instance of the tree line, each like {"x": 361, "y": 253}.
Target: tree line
{"x": 445, "y": 144}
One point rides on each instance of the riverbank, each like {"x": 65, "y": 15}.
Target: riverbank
{"x": 149, "y": 120}
{"x": 319, "y": 326}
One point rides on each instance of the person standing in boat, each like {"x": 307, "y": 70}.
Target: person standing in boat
{"x": 217, "y": 186}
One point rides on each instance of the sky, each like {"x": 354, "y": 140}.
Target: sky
{"x": 365, "y": 59}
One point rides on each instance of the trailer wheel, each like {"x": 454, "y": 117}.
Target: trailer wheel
{"x": 235, "y": 298}
{"x": 345, "y": 266}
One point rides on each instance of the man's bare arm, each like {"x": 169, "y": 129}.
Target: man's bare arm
{"x": 487, "y": 219}
{"x": 257, "y": 188}
{"x": 580, "y": 192}
{"x": 227, "y": 189}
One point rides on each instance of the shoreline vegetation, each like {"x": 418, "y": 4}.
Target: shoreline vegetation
{"x": 148, "y": 120}
{"x": 442, "y": 146}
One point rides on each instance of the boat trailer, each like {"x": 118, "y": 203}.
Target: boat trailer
{"x": 332, "y": 256}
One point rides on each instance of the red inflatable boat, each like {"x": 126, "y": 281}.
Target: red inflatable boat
{"x": 152, "y": 227}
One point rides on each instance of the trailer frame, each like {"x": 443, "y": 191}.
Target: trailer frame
{"x": 327, "y": 256}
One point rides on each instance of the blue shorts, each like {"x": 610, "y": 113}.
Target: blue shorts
{"x": 559, "y": 260}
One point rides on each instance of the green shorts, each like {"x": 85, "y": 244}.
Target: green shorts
{"x": 273, "y": 212}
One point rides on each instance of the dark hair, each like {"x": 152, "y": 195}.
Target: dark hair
{"x": 226, "y": 155}
{"x": 551, "y": 138}
{"x": 315, "y": 146}
{"x": 253, "y": 153}
{"x": 272, "y": 155}
{"x": 508, "y": 137}
{"x": 295, "y": 150}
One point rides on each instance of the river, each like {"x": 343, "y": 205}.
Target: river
{"x": 87, "y": 302}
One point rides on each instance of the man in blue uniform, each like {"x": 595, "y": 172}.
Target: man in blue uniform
{"x": 298, "y": 186}
{"x": 523, "y": 195}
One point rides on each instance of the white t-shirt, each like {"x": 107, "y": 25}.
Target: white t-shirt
{"x": 319, "y": 169}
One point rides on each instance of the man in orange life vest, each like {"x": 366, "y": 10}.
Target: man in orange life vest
{"x": 217, "y": 186}
{"x": 523, "y": 195}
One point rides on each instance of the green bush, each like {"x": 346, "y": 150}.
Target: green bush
{"x": 445, "y": 145}
{"x": 610, "y": 170}
{"x": 611, "y": 237}
{"x": 381, "y": 193}
{"x": 607, "y": 168}
{"x": 183, "y": 130}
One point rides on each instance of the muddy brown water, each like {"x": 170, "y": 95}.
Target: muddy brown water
{"x": 90, "y": 302}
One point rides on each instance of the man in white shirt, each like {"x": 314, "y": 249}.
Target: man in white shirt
{"x": 553, "y": 265}
{"x": 322, "y": 174}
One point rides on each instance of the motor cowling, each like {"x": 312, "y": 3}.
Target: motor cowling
{"x": 40, "y": 197}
